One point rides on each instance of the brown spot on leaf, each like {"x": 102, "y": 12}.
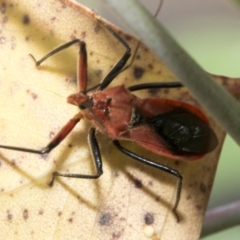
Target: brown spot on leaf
{"x": 145, "y": 49}
{"x": 203, "y": 188}
{"x": 9, "y": 215}
{"x": 26, "y": 19}
{"x": 33, "y": 95}
{"x": 122, "y": 219}
{"x": 153, "y": 91}
{"x": 209, "y": 169}
{"x": 199, "y": 207}
{"x": 3, "y": 8}
{"x": 98, "y": 73}
{"x": 177, "y": 163}
{"x": 13, "y": 162}
{"x": 138, "y": 56}
{"x": 137, "y": 183}
{"x": 188, "y": 197}
{"x": 40, "y": 212}
{"x": 150, "y": 66}
{"x": 127, "y": 37}
{"x": 25, "y": 214}
{"x": 166, "y": 91}
{"x": 105, "y": 219}
{"x": 138, "y": 72}
{"x": 116, "y": 235}
{"x": 150, "y": 183}
{"x": 149, "y": 218}
{"x": 64, "y": 6}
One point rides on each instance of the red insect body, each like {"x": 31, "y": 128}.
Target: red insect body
{"x": 112, "y": 112}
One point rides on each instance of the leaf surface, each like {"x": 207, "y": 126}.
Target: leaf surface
{"x": 129, "y": 198}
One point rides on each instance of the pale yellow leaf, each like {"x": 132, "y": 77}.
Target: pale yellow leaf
{"x": 33, "y": 109}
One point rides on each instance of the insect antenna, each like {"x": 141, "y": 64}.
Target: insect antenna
{"x": 158, "y": 9}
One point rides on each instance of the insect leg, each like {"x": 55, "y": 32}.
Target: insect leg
{"x": 54, "y": 142}
{"x": 117, "y": 68}
{"x": 155, "y": 85}
{"x": 56, "y": 50}
{"x": 93, "y": 144}
{"x": 82, "y": 64}
{"x": 120, "y": 66}
{"x": 158, "y": 166}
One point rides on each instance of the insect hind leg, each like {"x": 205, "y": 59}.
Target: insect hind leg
{"x": 158, "y": 166}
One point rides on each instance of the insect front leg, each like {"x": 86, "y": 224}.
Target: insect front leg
{"x": 82, "y": 61}
{"x": 93, "y": 144}
{"x": 54, "y": 142}
{"x": 158, "y": 166}
{"x": 118, "y": 67}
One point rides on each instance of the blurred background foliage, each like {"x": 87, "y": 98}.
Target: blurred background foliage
{"x": 210, "y": 32}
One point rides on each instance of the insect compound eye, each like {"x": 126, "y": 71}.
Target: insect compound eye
{"x": 82, "y": 106}
{"x": 87, "y": 104}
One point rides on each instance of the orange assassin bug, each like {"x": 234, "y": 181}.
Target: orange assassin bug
{"x": 166, "y": 127}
